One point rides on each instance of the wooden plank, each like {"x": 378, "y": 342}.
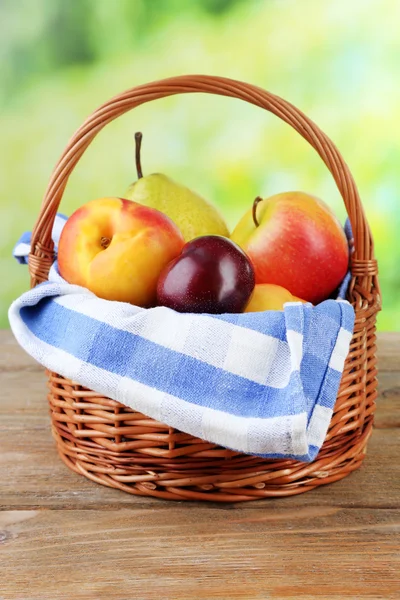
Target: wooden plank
{"x": 23, "y": 393}
{"x": 389, "y": 351}
{"x": 388, "y": 402}
{"x": 207, "y": 553}
{"x": 12, "y": 357}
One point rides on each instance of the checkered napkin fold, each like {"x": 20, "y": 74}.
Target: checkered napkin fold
{"x": 259, "y": 383}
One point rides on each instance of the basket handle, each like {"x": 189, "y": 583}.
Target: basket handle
{"x": 363, "y": 264}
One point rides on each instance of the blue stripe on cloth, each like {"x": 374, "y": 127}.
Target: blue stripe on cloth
{"x": 347, "y": 317}
{"x": 129, "y": 355}
{"x": 318, "y": 346}
{"x": 25, "y": 238}
{"x": 274, "y": 325}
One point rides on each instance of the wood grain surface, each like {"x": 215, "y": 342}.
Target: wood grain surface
{"x": 62, "y": 536}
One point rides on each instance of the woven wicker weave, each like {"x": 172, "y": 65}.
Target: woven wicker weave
{"x": 118, "y": 447}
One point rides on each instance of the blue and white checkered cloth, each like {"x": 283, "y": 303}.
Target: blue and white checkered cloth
{"x": 259, "y": 383}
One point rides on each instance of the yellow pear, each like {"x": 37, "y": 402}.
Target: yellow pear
{"x": 190, "y": 212}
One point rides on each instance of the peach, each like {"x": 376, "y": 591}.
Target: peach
{"x": 294, "y": 240}
{"x": 117, "y": 248}
{"x": 267, "y": 296}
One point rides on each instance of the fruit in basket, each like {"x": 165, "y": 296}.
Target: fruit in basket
{"x": 294, "y": 240}
{"x": 117, "y": 248}
{"x": 190, "y": 212}
{"x": 211, "y": 275}
{"x": 267, "y": 296}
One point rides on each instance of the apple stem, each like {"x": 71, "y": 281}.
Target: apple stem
{"x": 138, "y": 143}
{"x": 255, "y": 204}
{"x": 105, "y": 242}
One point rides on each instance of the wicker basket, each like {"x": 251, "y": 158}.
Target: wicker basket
{"x": 121, "y": 448}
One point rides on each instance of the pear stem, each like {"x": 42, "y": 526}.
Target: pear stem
{"x": 138, "y": 144}
{"x": 255, "y": 204}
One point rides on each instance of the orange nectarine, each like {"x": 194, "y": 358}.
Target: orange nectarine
{"x": 267, "y": 296}
{"x": 117, "y": 248}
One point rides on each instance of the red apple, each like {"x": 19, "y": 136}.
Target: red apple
{"x": 211, "y": 275}
{"x": 294, "y": 240}
{"x": 117, "y": 249}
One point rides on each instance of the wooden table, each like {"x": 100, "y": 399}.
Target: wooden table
{"x": 62, "y": 536}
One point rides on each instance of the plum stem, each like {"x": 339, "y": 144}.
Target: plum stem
{"x": 138, "y": 144}
{"x": 255, "y": 204}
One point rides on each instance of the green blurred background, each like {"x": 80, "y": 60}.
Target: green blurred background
{"x": 338, "y": 61}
